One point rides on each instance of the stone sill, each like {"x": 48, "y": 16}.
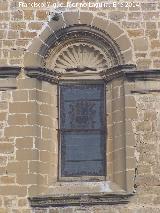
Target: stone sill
{"x": 45, "y": 201}
{"x": 63, "y": 194}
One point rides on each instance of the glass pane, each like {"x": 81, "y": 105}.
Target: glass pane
{"x": 82, "y": 146}
{"x": 82, "y": 125}
{"x": 88, "y": 168}
{"x": 82, "y": 107}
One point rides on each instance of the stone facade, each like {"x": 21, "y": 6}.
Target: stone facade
{"x": 31, "y": 49}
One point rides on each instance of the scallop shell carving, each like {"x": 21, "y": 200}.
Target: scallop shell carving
{"x": 81, "y": 58}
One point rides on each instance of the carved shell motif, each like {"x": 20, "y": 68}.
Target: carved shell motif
{"x": 80, "y": 58}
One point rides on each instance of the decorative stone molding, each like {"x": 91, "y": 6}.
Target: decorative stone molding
{"x": 129, "y": 71}
{"x": 79, "y": 200}
{"x": 72, "y": 41}
{"x": 42, "y": 74}
{"x": 70, "y": 28}
{"x": 9, "y": 72}
{"x": 117, "y": 71}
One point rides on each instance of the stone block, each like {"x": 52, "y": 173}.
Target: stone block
{"x": 152, "y": 34}
{"x": 156, "y": 63}
{"x": 28, "y": 34}
{"x": 3, "y": 162}
{"x": 55, "y": 25}
{"x": 118, "y": 116}
{"x": 134, "y": 16}
{"x": 12, "y": 34}
{"x": 29, "y": 83}
{"x": 114, "y": 31}
{"x": 130, "y": 101}
{"x": 20, "y": 191}
{"x": 7, "y": 179}
{"x": 150, "y": 115}
{"x": 151, "y": 16}
{"x": 20, "y": 95}
{"x": 24, "y": 142}
{"x": 48, "y": 110}
{"x": 118, "y": 129}
{"x": 22, "y": 202}
{"x": 117, "y": 15}
{"x": 34, "y": 166}
{"x": 128, "y": 56}
{"x": 17, "y": 119}
{"x": 41, "y": 14}
{"x": 28, "y": 14}
{"x": 17, "y": 25}
{"x": 35, "y": 25}
{"x": 36, "y": 190}
{"x": 3, "y": 105}
{"x": 35, "y": 46}
{"x": 131, "y": 113}
{"x": 130, "y": 174}
{"x": 71, "y": 18}
{"x": 141, "y": 44}
{"x": 155, "y": 54}
{"x": 100, "y": 23}
{"x": 135, "y": 32}
{"x": 86, "y": 18}
{"x": 41, "y": 96}
{"x": 45, "y": 156}
{"x": 23, "y": 107}
{"x": 20, "y": 131}
{"x": 3, "y": 116}
{"x": 148, "y": 6}
{"x": 33, "y": 60}
{"x": 17, "y": 167}
{"x": 6, "y": 148}
{"x": 144, "y": 126}
{"x": 46, "y": 34}
{"x": 123, "y": 42}
{"x": 17, "y": 15}
{"x": 26, "y": 179}
{"x": 27, "y": 154}
{"x": 151, "y": 25}
{"x": 144, "y": 63}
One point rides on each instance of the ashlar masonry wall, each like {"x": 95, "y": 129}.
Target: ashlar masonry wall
{"x": 28, "y": 112}
{"x": 19, "y": 25}
{"x": 28, "y": 126}
{"x": 28, "y": 165}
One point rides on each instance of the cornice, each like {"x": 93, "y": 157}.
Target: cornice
{"x": 117, "y": 71}
{"x": 127, "y": 71}
{"x": 9, "y": 71}
{"x": 42, "y": 74}
{"x": 79, "y": 199}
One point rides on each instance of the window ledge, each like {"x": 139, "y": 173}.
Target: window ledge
{"x": 79, "y": 199}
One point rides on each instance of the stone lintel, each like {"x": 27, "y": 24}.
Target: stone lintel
{"x": 79, "y": 199}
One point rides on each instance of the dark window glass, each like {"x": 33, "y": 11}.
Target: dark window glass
{"x": 82, "y": 125}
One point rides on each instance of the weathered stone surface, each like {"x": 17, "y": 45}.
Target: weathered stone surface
{"x": 141, "y": 44}
{"x": 86, "y": 18}
{"x": 28, "y": 117}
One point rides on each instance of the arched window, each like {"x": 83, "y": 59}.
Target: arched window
{"x": 87, "y": 68}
